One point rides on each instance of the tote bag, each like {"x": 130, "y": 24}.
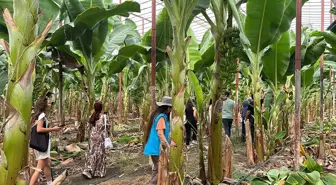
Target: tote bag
{"x": 108, "y": 142}
{"x": 39, "y": 141}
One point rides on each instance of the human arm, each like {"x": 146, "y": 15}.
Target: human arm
{"x": 195, "y": 114}
{"x": 41, "y": 129}
{"x": 248, "y": 112}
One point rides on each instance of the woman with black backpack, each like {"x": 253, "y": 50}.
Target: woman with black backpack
{"x": 42, "y": 153}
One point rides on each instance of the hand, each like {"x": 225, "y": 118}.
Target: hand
{"x": 57, "y": 128}
{"x": 173, "y": 144}
{"x": 165, "y": 145}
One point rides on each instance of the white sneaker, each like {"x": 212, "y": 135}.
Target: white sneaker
{"x": 194, "y": 142}
{"x": 188, "y": 147}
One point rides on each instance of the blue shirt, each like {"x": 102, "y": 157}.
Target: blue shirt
{"x": 152, "y": 146}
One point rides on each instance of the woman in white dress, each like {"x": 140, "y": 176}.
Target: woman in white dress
{"x": 43, "y": 158}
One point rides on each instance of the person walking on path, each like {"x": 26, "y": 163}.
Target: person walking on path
{"x": 157, "y": 134}
{"x": 96, "y": 157}
{"x": 248, "y": 113}
{"x": 43, "y": 158}
{"x": 227, "y": 113}
{"x": 191, "y": 124}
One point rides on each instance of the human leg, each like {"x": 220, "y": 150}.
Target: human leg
{"x": 243, "y": 131}
{"x": 35, "y": 176}
{"x": 229, "y": 121}
{"x": 155, "y": 170}
{"x": 226, "y": 126}
{"x": 194, "y": 129}
{"x": 47, "y": 171}
{"x": 188, "y": 132}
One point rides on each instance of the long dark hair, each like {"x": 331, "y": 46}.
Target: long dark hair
{"x": 189, "y": 105}
{"x": 158, "y": 110}
{"x": 41, "y": 106}
{"x": 98, "y": 107}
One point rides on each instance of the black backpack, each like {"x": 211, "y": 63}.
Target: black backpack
{"x": 39, "y": 141}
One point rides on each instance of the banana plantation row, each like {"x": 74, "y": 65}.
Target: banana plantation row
{"x": 87, "y": 50}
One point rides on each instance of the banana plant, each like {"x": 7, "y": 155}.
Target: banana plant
{"x": 89, "y": 36}
{"x": 180, "y": 15}
{"x": 265, "y": 22}
{"x": 24, "y": 45}
{"x": 200, "y": 103}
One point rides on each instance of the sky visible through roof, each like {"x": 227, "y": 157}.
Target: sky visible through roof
{"x": 311, "y": 16}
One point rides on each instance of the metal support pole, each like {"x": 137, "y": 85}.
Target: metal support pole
{"x": 237, "y": 101}
{"x": 143, "y": 26}
{"x": 152, "y": 88}
{"x": 321, "y": 149}
{"x": 297, "y": 131}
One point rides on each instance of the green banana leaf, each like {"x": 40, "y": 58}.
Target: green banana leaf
{"x": 193, "y": 50}
{"x": 314, "y": 50}
{"x": 123, "y": 58}
{"x": 84, "y": 21}
{"x": 164, "y": 32}
{"x": 310, "y": 54}
{"x": 49, "y": 8}
{"x": 207, "y": 59}
{"x": 267, "y": 20}
{"x": 197, "y": 89}
{"x": 307, "y": 75}
{"x": 276, "y": 60}
{"x": 207, "y": 42}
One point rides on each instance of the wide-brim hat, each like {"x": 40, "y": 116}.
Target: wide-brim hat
{"x": 166, "y": 101}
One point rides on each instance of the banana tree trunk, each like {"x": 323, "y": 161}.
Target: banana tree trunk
{"x": 103, "y": 97}
{"x": 60, "y": 90}
{"x": 23, "y": 48}
{"x": 177, "y": 58}
{"x": 202, "y": 175}
{"x": 215, "y": 173}
{"x": 256, "y": 89}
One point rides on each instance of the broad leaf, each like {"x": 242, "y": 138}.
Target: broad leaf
{"x": 164, "y": 32}
{"x": 85, "y": 21}
{"x": 207, "y": 59}
{"x": 207, "y": 41}
{"x": 193, "y": 54}
{"x": 276, "y": 60}
{"x": 197, "y": 89}
{"x": 307, "y": 75}
{"x": 267, "y": 20}
{"x": 314, "y": 51}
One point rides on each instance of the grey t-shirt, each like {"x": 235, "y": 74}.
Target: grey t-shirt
{"x": 227, "y": 110}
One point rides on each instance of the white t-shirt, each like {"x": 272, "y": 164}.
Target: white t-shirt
{"x": 42, "y": 155}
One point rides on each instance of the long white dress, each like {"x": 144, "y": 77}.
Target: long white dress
{"x": 42, "y": 155}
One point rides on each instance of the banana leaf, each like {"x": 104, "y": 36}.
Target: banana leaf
{"x": 197, "y": 89}
{"x": 84, "y": 21}
{"x": 310, "y": 54}
{"x": 267, "y": 20}
{"x": 276, "y": 60}
{"x": 193, "y": 52}
{"x": 307, "y": 75}
{"x": 49, "y": 8}
{"x": 207, "y": 59}
{"x": 164, "y": 32}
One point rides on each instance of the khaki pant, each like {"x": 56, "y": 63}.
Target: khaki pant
{"x": 155, "y": 169}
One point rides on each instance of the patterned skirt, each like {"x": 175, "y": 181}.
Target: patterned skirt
{"x": 96, "y": 158}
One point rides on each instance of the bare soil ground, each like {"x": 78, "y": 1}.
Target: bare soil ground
{"x": 128, "y": 166}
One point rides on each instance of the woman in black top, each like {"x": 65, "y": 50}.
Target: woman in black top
{"x": 191, "y": 125}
